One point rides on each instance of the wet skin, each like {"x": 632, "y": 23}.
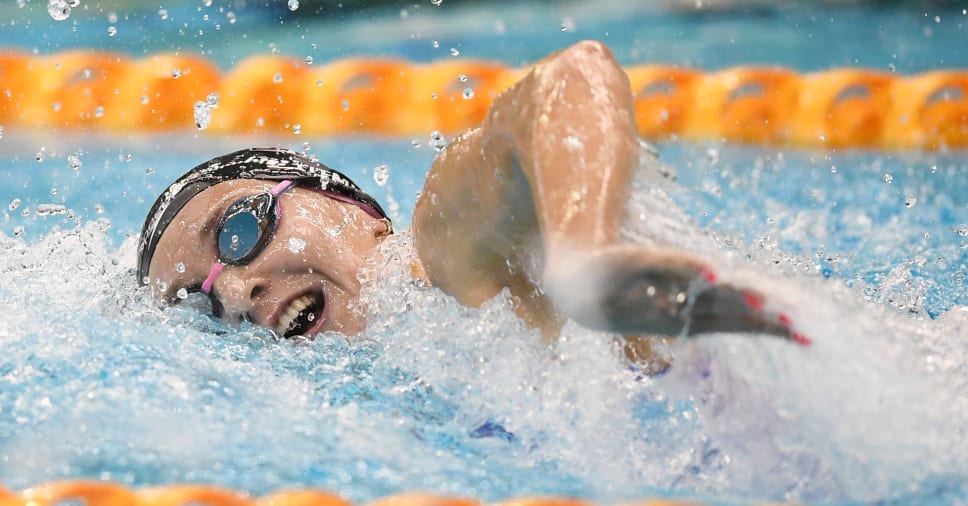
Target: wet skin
{"x": 261, "y": 291}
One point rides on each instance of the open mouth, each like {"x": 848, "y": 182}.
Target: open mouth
{"x": 301, "y": 315}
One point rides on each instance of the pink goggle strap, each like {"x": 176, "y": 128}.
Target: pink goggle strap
{"x": 218, "y": 266}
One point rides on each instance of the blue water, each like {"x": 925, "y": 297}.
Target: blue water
{"x": 868, "y": 251}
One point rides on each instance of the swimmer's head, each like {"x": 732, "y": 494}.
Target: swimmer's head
{"x": 266, "y": 235}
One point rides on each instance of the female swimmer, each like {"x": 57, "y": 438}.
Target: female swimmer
{"x": 531, "y": 200}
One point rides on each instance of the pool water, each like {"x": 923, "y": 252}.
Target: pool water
{"x": 868, "y": 252}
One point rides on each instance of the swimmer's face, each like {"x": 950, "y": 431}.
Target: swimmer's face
{"x": 304, "y": 281}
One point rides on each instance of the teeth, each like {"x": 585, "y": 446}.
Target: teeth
{"x": 287, "y": 321}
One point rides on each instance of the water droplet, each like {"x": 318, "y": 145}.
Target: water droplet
{"x": 150, "y": 170}
{"x": 297, "y": 129}
{"x": 433, "y": 96}
{"x": 937, "y": 19}
{"x": 40, "y": 155}
{"x": 335, "y": 231}
{"x": 415, "y": 143}
{"x": 99, "y": 209}
{"x": 180, "y": 268}
{"x": 381, "y": 174}
{"x": 934, "y": 169}
{"x": 436, "y": 44}
{"x": 163, "y": 14}
{"x": 49, "y": 209}
{"x": 235, "y": 242}
{"x": 112, "y": 17}
{"x": 833, "y": 169}
{"x": 203, "y": 115}
{"x": 297, "y": 244}
{"x": 436, "y": 3}
{"x": 567, "y": 24}
{"x": 962, "y": 230}
{"x": 74, "y": 3}
{"x": 144, "y": 99}
{"x": 454, "y": 51}
{"x": 231, "y": 17}
{"x": 162, "y": 285}
{"x": 207, "y": 3}
{"x": 14, "y": 204}
{"x": 293, "y": 5}
{"x": 25, "y": 212}
{"x": 212, "y": 101}
{"x": 468, "y": 93}
{"x": 127, "y": 157}
{"x": 56, "y": 106}
{"x": 277, "y": 78}
{"x": 910, "y": 201}
{"x": 888, "y": 178}
{"x": 1, "y": 132}
{"x": 18, "y": 230}
{"x": 182, "y": 293}
{"x": 712, "y": 155}
{"x": 346, "y": 105}
{"x": 98, "y": 111}
{"x": 437, "y": 141}
{"x": 74, "y": 162}
{"x": 309, "y": 60}
{"x": 891, "y": 67}
{"x": 112, "y": 31}
{"x": 59, "y": 10}
{"x": 176, "y": 73}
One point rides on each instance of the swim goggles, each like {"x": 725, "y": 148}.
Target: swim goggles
{"x": 245, "y": 229}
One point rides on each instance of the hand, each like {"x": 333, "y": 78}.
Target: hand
{"x": 636, "y": 290}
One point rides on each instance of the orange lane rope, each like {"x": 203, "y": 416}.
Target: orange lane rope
{"x": 837, "y": 108}
{"x": 104, "y": 493}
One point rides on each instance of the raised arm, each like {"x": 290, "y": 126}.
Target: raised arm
{"x": 533, "y": 200}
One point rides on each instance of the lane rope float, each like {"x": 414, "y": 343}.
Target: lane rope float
{"x": 111, "y": 92}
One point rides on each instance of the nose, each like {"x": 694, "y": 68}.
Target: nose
{"x": 238, "y": 289}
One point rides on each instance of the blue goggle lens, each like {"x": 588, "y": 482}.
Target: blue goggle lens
{"x": 246, "y": 228}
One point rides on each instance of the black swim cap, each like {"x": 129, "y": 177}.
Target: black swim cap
{"x": 273, "y": 164}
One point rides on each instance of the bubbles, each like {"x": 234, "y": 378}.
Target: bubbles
{"x": 59, "y": 10}
{"x": 112, "y": 31}
{"x": 176, "y": 73}
{"x": 18, "y": 230}
{"x": 297, "y": 244}
{"x": 436, "y": 3}
{"x": 203, "y": 115}
{"x": 468, "y": 93}
{"x": 231, "y": 17}
{"x": 99, "y": 111}
{"x": 454, "y": 51}
{"x": 309, "y": 60}
{"x": 437, "y": 141}
{"x": 181, "y": 293}
{"x": 277, "y": 78}
{"x": 297, "y": 129}
{"x": 14, "y": 204}
{"x": 293, "y": 5}
{"x": 888, "y": 178}
{"x": 212, "y": 100}
{"x": 163, "y": 14}
{"x": 149, "y": 171}
{"x": 910, "y": 201}
{"x": 381, "y": 174}
{"x": 567, "y": 24}
{"x": 180, "y": 268}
